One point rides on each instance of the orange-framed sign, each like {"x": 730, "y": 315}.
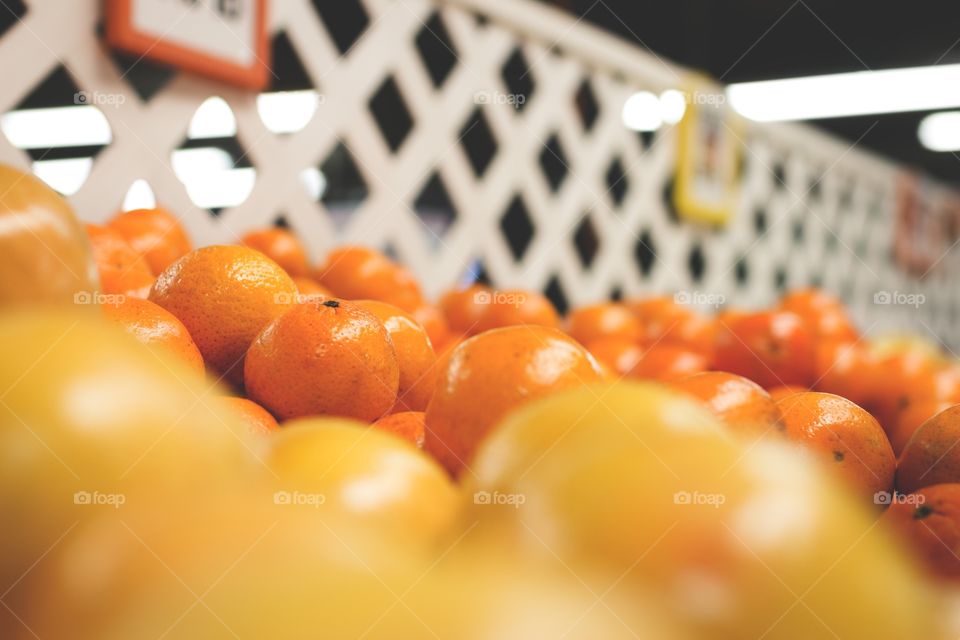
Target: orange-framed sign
{"x": 221, "y": 39}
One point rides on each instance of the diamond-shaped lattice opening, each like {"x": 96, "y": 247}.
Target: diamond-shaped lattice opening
{"x": 11, "y": 12}
{"x": 780, "y": 279}
{"x": 518, "y": 79}
{"x": 61, "y": 128}
{"x": 814, "y": 191}
{"x": 291, "y": 100}
{"x": 669, "y": 204}
{"x": 139, "y": 196}
{"x": 586, "y": 242}
{"x": 646, "y": 138}
{"x": 586, "y": 103}
{"x": 742, "y": 272}
{"x": 435, "y": 209}
{"x": 616, "y": 294}
{"x": 831, "y": 242}
{"x": 645, "y": 253}
{"x": 517, "y": 228}
{"x": 391, "y": 114}
{"x": 799, "y": 232}
{"x": 760, "y": 221}
{"x": 345, "y": 20}
{"x": 338, "y": 184}
{"x": 554, "y": 293}
{"x": 210, "y": 162}
{"x": 478, "y": 142}
{"x": 696, "y": 263}
{"x": 147, "y": 77}
{"x": 436, "y": 49}
{"x": 476, "y": 271}
{"x": 553, "y": 163}
{"x": 617, "y": 182}
{"x": 779, "y": 176}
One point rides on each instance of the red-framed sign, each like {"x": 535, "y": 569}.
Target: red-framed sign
{"x": 221, "y": 39}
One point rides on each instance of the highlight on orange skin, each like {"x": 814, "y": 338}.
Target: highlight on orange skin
{"x": 258, "y": 420}
{"x": 666, "y": 362}
{"x": 741, "y": 404}
{"x": 409, "y": 425}
{"x": 931, "y": 455}
{"x": 605, "y": 320}
{"x": 618, "y": 355}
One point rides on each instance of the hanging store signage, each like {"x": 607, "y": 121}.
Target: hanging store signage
{"x": 708, "y": 157}
{"x": 221, "y": 39}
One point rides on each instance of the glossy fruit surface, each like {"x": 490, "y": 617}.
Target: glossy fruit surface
{"x": 157, "y": 328}
{"x": 255, "y": 418}
{"x": 510, "y": 307}
{"x": 666, "y": 362}
{"x": 618, "y": 355}
{"x": 156, "y": 234}
{"x": 281, "y": 246}
{"x": 931, "y": 456}
{"x": 327, "y": 357}
{"x": 740, "y": 403}
{"x": 603, "y": 321}
{"x": 771, "y": 348}
{"x": 463, "y": 308}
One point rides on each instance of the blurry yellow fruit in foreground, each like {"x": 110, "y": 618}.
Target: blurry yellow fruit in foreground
{"x": 46, "y": 255}
{"x": 339, "y": 466}
{"x": 91, "y": 419}
{"x": 745, "y": 542}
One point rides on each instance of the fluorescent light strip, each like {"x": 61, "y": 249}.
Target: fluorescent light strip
{"x": 941, "y": 131}
{"x": 848, "y": 94}
{"x": 56, "y": 127}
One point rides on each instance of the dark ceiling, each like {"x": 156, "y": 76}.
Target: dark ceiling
{"x": 741, "y": 40}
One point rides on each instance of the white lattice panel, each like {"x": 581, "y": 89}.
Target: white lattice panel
{"x": 813, "y": 210}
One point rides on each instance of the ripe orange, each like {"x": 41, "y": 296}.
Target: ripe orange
{"x": 409, "y": 425}
{"x": 601, "y": 321}
{"x": 823, "y": 313}
{"x": 157, "y": 328}
{"x": 224, "y": 295}
{"x": 618, "y": 355}
{"x": 257, "y": 419}
{"x": 910, "y": 419}
{"x": 932, "y": 455}
{"x": 928, "y": 521}
{"x": 664, "y": 361}
{"x": 310, "y": 287}
{"x": 358, "y": 273}
{"x": 46, "y": 254}
{"x": 663, "y": 321}
{"x": 739, "y": 403}
{"x": 431, "y": 319}
{"x": 463, "y": 308}
{"x": 895, "y": 380}
{"x": 415, "y": 356}
{"x": 493, "y": 373}
{"x": 325, "y": 357}
{"x": 843, "y": 435}
{"x": 515, "y": 307}
{"x": 844, "y": 369}
{"x": 155, "y": 234}
{"x": 772, "y": 348}
{"x": 282, "y": 247}
{"x": 122, "y": 270}
{"x": 776, "y": 393}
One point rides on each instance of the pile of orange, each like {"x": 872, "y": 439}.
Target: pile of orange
{"x": 300, "y": 443}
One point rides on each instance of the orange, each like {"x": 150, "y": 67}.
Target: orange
{"x": 46, "y": 254}
{"x": 282, "y": 247}
{"x": 409, "y": 425}
{"x": 309, "y": 287}
{"x": 932, "y": 455}
{"x": 776, "y": 393}
{"x": 844, "y": 369}
{"x": 739, "y": 403}
{"x": 325, "y": 357}
{"x": 910, "y": 419}
{"x": 618, "y": 355}
{"x": 604, "y": 320}
{"x": 431, "y": 319}
{"x": 463, "y": 308}
{"x": 357, "y": 273}
{"x": 823, "y": 313}
{"x": 895, "y": 380}
{"x": 664, "y": 361}
{"x": 414, "y": 354}
{"x": 844, "y": 436}
{"x": 493, "y": 373}
{"x": 224, "y": 295}
{"x": 122, "y": 270}
{"x": 155, "y": 234}
{"x": 514, "y": 307}
{"x": 928, "y": 522}
{"x": 157, "y": 328}
{"x": 772, "y": 348}
{"x": 257, "y": 419}
{"x": 664, "y": 321}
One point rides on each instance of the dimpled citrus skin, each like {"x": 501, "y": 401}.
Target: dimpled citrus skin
{"x": 325, "y": 357}
{"x": 157, "y": 328}
{"x": 156, "y": 234}
{"x": 844, "y": 436}
{"x": 224, "y": 295}
{"x": 282, "y": 247}
{"x": 414, "y": 355}
{"x": 488, "y": 375}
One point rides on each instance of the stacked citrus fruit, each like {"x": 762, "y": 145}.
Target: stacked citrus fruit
{"x": 235, "y": 443}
